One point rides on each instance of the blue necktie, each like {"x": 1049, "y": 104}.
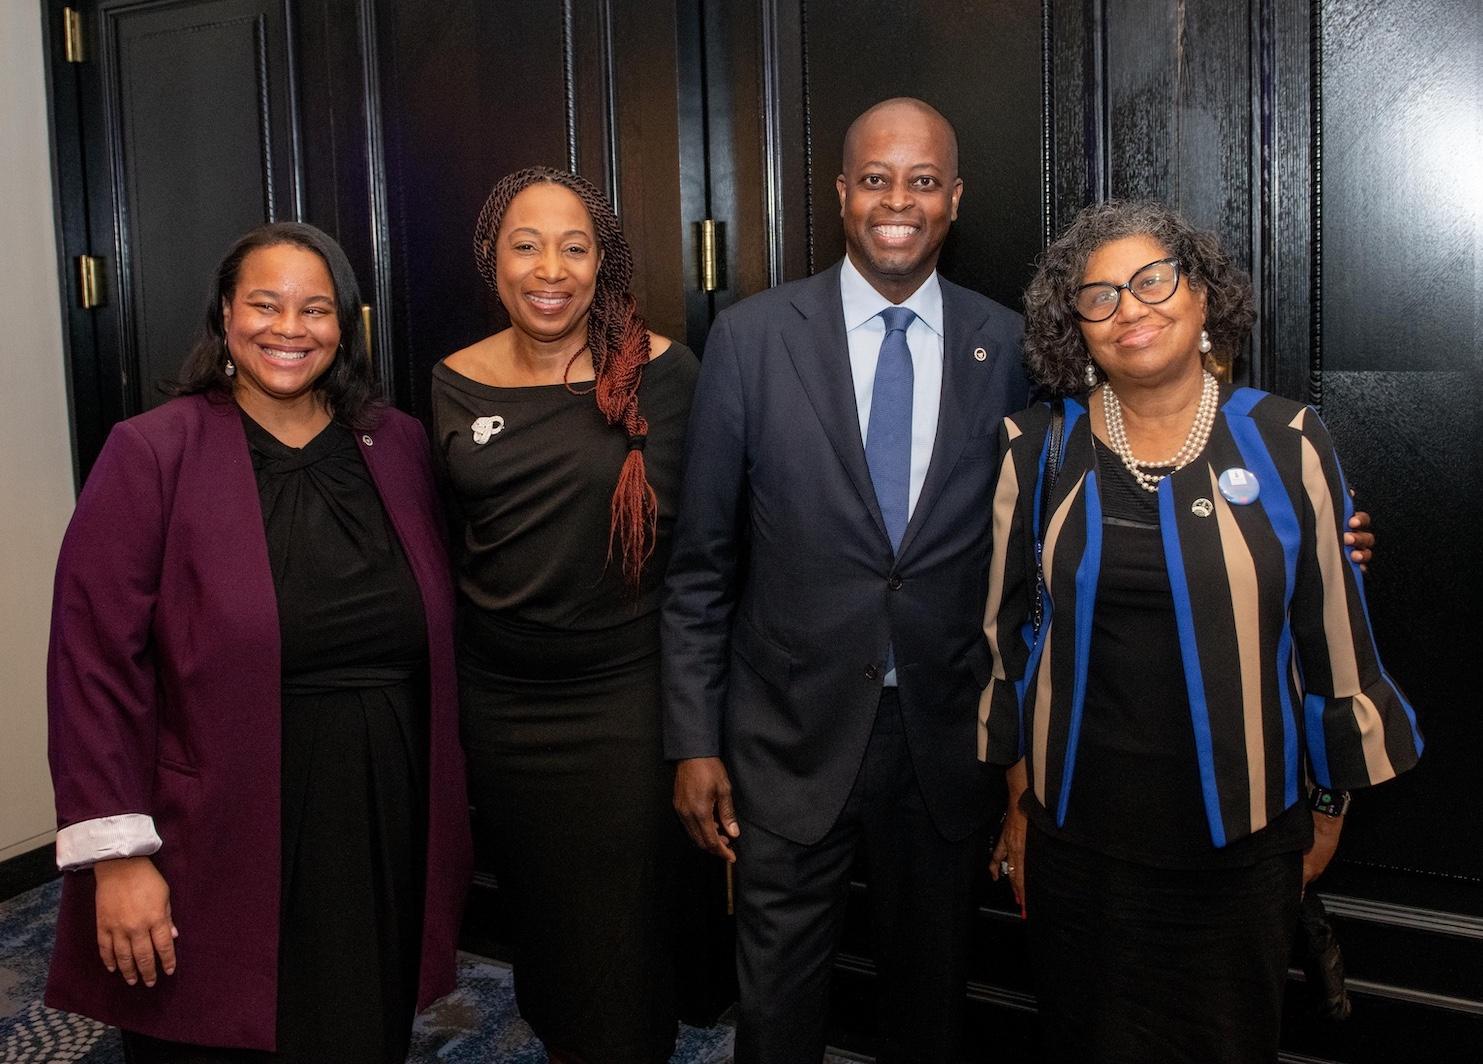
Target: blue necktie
{"x": 888, "y": 433}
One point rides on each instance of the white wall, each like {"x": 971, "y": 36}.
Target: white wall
{"x": 36, "y": 489}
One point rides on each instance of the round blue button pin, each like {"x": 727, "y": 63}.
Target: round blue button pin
{"x": 1239, "y": 486}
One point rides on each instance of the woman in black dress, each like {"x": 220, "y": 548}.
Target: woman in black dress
{"x": 561, "y": 437}
{"x": 253, "y": 697}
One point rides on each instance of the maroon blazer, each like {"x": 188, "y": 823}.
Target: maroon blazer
{"x": 164, "y": 699}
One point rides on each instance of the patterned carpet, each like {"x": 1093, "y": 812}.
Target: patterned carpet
{"x": 477, "y": 1023}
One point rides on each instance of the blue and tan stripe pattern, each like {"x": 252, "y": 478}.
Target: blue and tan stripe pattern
{"x": 1280, "y": 665}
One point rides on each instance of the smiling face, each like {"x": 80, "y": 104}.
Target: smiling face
{"x": 1143, "y": 343}
{"x": 546, "y": 262}
{"x": 898, "y": 194}
{"x": 281, "y": 328}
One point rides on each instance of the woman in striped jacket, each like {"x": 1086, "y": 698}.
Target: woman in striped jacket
{"x": 1185, "y": 681}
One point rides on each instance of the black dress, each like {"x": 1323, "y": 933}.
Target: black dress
{"x": 354, "y": 757}
{"x": 1150, "y": 945}
{"x": 559, "y": 671}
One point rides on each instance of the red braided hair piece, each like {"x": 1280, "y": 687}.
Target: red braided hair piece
{"x": 619, "y": 342}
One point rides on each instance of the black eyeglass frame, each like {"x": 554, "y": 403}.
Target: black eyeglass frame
{"x": 1127, "y": 286}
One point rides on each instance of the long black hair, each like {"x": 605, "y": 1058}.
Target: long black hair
{"x": 348, "y": 387}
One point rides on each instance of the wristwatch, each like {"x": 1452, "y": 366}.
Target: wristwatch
{"x": 1330, "y": 803}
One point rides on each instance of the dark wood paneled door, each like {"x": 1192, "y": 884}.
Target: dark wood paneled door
{"x": 471, "y": 91}
{"x": 785, "y": 78}
{"x": 178, "y": 125}
{"x": 188, "y": 136}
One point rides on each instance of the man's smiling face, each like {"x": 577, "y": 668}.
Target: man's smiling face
{"x": 898, "y": 194}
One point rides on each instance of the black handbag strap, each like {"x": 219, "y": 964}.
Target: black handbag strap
{"x": 1054, "y": 456}
{"x": 1055, "y": 447}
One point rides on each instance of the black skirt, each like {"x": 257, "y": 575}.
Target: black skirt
{"x": 571, "y": 798}
{"x": 1141, "y": 965}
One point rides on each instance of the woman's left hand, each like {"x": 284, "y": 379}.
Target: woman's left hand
{"x": 1009, "y": 852}
{"x": 1326, "y": 831}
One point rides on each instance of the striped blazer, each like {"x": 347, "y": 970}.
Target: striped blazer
{"x": 1280, "y": 665}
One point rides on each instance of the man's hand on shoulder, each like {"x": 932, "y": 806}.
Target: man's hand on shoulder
{"x": 703, "y": 801}
{"x": 1360, "y": 539}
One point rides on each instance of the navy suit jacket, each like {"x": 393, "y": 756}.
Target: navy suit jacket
{"x": 783, "y": 592}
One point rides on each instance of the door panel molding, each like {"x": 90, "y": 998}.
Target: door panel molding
{"x": 1314, "y": 380}
{"x": 389, "y": 370}
{"x": 592, "y": 95}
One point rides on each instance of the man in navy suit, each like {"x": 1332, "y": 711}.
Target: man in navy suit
{"x": 823, "y": 640}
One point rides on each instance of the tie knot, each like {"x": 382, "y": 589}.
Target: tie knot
{"x": 898, "y": 318}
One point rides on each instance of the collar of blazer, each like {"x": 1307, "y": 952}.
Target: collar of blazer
{"x": 820, "y": 352}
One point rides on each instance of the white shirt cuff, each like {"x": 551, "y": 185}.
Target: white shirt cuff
{"x": 103, "y": 838}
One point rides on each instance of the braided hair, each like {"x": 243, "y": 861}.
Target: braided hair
{"x": 618, "y": 340}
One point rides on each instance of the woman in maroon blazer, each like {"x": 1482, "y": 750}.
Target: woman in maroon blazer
{"x": 259, "y": 787}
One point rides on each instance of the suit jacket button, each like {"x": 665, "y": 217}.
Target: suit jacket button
{"x": 894, "y": 583}
{"x": 872, "y": 672}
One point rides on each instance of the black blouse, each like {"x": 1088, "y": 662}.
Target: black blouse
{"x": 1137, "y": 789}
{"x": 350, "y": 613}
{"x": 532, "y": 471}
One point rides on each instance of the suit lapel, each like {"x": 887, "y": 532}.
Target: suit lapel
{"x": 963, "y": 380}
{"x": 821, "y": 356}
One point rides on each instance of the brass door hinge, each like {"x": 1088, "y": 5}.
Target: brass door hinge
{"x": 89, "y": 281}
{"x": 710, "y": 254}
{"x": 72, "y": 35}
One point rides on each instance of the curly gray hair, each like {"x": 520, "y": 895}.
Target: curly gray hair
{"x": 1055, "y": 354}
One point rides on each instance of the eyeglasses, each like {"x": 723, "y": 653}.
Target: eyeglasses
{"x": 1152, "y": 284}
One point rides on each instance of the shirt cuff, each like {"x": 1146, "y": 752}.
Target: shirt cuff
{"x": 103, "y": 838}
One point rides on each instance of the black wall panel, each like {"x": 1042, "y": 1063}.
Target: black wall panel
{"x": 978, "y": 63}
{"x": 201, "y": 107}
{"x": 467, "y": 97}
{"x": 486, "y": 88}
{"x": 184, "y": 126}
{"x": 1402, "y": 344}
{"x": 1402, "y": 179}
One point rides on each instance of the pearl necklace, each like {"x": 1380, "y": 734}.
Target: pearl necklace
{"x": 1194, "y": 443}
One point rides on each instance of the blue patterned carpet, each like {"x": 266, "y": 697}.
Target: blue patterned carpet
{"x": 476, "y": 1023}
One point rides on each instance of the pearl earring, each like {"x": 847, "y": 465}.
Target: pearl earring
{"x": 1205, "y": 344}
{"x": 1090, "y": 374}
{"x": 231, "y": 369}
